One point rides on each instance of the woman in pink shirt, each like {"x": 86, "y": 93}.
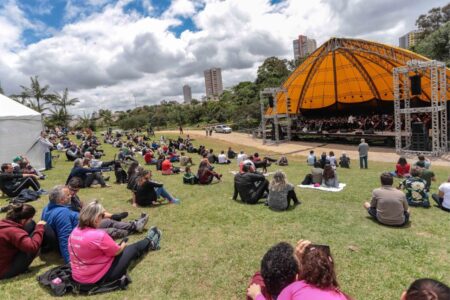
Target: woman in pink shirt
{"x": 95, "y": 257}
{"x": 316, "y": 277}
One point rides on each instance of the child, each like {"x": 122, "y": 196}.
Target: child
{"x": 189, "y": 177}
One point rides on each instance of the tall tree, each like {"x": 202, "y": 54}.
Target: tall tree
{"x": 436, "y": 45}
{"x": 63, "y": 100}
{"x": 106, "y": 116}
{"x": 433, "y": 20}
{"x": 272, "y": 72}
{"x": 38, "y": 93}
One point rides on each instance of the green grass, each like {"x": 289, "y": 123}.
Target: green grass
{"x": 212, "y": 245}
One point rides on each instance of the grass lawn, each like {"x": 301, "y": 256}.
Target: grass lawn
{"x": 212, "y": 245}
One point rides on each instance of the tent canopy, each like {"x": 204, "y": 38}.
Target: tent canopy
{"x": 20, "y": 129}
{"x": 346, "y": 71}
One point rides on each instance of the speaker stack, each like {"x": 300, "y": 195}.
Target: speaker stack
{"x": 419, "y": 137}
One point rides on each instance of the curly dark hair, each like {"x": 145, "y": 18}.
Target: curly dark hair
{"x": 317, "y": 268}
{"x": 426, "y": 288}
{"x": 279, "y": 267}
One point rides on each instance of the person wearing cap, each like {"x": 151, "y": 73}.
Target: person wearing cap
{"x": 250, "y": 185}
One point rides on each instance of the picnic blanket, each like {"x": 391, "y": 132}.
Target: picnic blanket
{"x": 323, "y": 188}
{"x": 265, "y": 174}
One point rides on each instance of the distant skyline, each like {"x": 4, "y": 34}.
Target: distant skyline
{"x": 111, "y": 53}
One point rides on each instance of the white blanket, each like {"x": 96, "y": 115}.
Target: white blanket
{"x": 323, "y": 188}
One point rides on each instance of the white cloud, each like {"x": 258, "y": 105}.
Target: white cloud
{"x": 109, "y": 58}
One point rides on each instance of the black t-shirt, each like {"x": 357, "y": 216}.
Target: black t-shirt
{"x": 146, "y": 194}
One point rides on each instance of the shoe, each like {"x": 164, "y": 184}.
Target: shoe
{"x": 175, "y": 201}
{"x": 120, "y": 216}
{"x": 106, "y": 186}
{"x": 154, "y": 235}
{"x": 297, "y": 203}
{"x": 140, "y": 224}
{"x": 42, "y": 177}
{"x": 143, "y": 215}
{"x": 42, "y": 192}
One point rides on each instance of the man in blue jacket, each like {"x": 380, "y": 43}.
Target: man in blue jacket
{"x": 60, "y": 217}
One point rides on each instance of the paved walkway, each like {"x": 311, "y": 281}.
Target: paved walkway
{"x": 380, "y": 154}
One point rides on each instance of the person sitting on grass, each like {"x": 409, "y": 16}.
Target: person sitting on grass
{"x": 148, "y": 191}
{"x": 20, "y": 240}
{"x": 12, "y": 183}
{"x": 332, "y": 159}
{"x": 443, "y": 197}
{"x": 426, "y": 174}
{"x": 205, "y": 174}
{"x": 87, "y": 175}
{"x": 388, "y": 205}
{"x": 402, "y": 169}
{"x": 329, "y": 177}
{"x": 426, "y": 289}
{"x": 62, "y": 220}
{"x": 231, "y": 154}
{"x": 148, "y": 157}
{"x": 185, "y": 160}
{"x": 241, "y": 157}
{"x": 426, "y": 162}
{"x": 250, "y": 185}
{"x": 212, "y": 158}
{"x": 316, "y": 278}
{"x": 95, "y": 257}
{"x": 189, "y": 177}
{"x": 415, "y": 190}
{"x": 311, "y": 159}
{"x": 283, "y": 161}
{"x": 279, "y": 268}
{"x": 167, "y": 168}
{"x": 324, "y": 160}
{"x": 344, "y": 161}
{"x": 281, "y": 192}
{"x": 222, "y": 158}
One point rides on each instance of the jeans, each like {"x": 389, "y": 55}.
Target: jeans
{"x": 94, "y": 176}
{"x": 116, "y": 229}
{"x": 48, "y": 160}
{"x": 161, "y": 192}
{"x": 256, "y": 195}
{"x": 373, "y": 213}
{"x": 363, "y": 162}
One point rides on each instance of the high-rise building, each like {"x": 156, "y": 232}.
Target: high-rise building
{"x": 408, "y": 40}
{"x": 303, "y": 46}
{"x": 213, "y": 83}
{"x": 187, "y": 93}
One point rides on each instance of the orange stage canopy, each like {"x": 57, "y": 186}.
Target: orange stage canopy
{"x": 347, "y": 71}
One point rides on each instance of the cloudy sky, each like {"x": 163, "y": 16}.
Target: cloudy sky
{"x": 118, "y": 53}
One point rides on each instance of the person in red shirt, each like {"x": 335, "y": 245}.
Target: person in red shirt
{"x": 148, "y": 157}
{"x": 167, "y": 168}
{"x": 20, "y": 240}
{"x": 402, "y": 169}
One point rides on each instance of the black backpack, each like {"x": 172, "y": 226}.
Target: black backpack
{"x": 68, "y": 285}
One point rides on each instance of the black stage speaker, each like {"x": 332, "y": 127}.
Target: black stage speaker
{"x": 416, "y": 85}
{"x": 418, "y": 127}
{"x": 270, "y": 101}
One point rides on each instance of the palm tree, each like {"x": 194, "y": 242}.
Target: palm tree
{"x": 63, "y": 100}
{"x": 40, "y": 94}
{"x": 22, "y": 98}
{"x": 106, "y": 116}
{"x": 59, "y": 116}
{"x": 85, "y": 121}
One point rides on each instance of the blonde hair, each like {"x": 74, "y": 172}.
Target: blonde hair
{"x": 89, "y": 214}
{"x": 278, "y": 182}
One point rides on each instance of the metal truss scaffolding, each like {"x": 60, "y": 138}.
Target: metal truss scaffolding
{"x": 437, "y": 108}
{"x": 277, "y": 118}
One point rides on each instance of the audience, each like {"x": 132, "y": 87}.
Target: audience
{"x": 415, "y": 190}
{"x": 281, "y": 192}
{"x": 426, "y": 174}
{"x": 249, "y": 185}
{"x": 222, "y": 158}
{"x": 148, "y": 191}
{"x": 426, "y": 162}
{"x": 167, "y": 168}
{"x": 329, "y": 177}
{"x": 87, "y": 175}
{"x": 426, "y": 289}
{"x": 20, "y": 240}
{"x": 311, "y": 159}
{"x": 443, "y": 197}
{"x": 402, "y": 169}
{"x": 95, "y": 257}
{"x": 388, "y": 205}
{"x": 13, "y": 183}
{"x": 205, "y": 174}
{"x": 344, "y": 161}
{"x": 189, "y": 177}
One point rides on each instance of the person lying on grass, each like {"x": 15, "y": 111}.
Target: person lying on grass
{"x": 95, "y": 257}
{"x": 148, "y": 191}
{"x": 315, "y": 277}
{"x": 62, "y": 220}
{"x": 20, "y": 240}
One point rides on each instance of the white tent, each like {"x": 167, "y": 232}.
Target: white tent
{"x": 20, "y": 129}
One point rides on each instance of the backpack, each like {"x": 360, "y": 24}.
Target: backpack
{"x": 59, "y": 281}
{"x": 24, "y": 196}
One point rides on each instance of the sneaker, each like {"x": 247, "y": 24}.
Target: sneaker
{"x": 175, "y": 201}
{"x": 106, "y": 186}
{"x": 154, "y": 235}
{"x": 120, "y": 216}
{"x": 140, "y": 224}
{"x": 42, "y": 192}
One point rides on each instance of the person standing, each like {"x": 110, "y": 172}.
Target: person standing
{"x": 363, "y": 150}
{"x": 181, "y": 130}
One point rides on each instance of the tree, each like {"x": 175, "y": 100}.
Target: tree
{"x": 106, "y": 116}
{"x": 86, "y": 121}
{"x": 63, "y": 100}
{"x": 58, "y": 117}
{"x": 433, "y": 20}
{"x": 38, "y": 93}
{"x": 272, "y": 72}
{"x": 436, "y": 45}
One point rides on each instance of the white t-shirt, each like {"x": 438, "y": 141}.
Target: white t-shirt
{"x": 240, "y": 158}
{"x": 222, "y": 158}
{"x": 445, "y": 188}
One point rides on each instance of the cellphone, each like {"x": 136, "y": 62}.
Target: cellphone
{"x": 325, "y": 248}
{"x": 123, "y": 241}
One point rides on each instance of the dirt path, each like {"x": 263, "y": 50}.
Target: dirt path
{"x": 379, "y": 154}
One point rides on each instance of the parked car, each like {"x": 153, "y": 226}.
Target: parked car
{"x": 222, "y": 129}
